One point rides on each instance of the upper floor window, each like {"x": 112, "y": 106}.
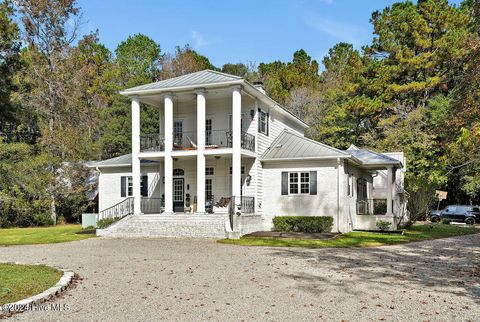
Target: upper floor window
{"x": 262, "y": 122}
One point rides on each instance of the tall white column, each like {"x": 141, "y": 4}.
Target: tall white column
{"x": 168, "y": 118}
{"x": 389, "y": 190}
{"x": 201, "y": 110}
{"x": 135, "y": 152}
{"x": 236, "y": 144}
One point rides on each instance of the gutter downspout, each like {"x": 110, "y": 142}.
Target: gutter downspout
{"x": 338, "y": 194}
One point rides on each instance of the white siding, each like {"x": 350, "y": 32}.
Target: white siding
{"x": 324, "y": 203}
{"x": 110, "y": 187}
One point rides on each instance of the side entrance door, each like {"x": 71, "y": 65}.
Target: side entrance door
{"x": 178, "y": 195}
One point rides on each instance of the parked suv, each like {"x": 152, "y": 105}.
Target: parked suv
{"x": 458, "y": 213}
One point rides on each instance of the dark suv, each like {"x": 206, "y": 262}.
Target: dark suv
{"x": 458, "y": 213}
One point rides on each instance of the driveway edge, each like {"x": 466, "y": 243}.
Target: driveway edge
{"x": 35, "y": 300}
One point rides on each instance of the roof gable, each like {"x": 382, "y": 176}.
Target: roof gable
{"x": 203, "y": 77}
{"x": 293, "y": 146}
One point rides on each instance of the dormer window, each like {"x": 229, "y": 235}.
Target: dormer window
{"x": 262, "y": 122}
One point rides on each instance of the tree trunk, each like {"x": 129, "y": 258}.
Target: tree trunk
{"x": 53, "y": 210}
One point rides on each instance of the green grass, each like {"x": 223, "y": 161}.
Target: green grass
{"x": 41, "y": 235}
{"x": 18, "y": 282}
{"x": 360, "y": 239}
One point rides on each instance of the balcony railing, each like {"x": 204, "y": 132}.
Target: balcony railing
{"x": 188, "y": 141}
{"x": 151, "y": 205}
{"x": 185, "y": 140}
{"x": 152, "y": 142}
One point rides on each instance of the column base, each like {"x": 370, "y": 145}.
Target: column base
{"x": 199, "y": 213}
{"x": 168, "y": 213}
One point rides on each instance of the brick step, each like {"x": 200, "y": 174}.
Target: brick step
{"x": 202, "y": 226}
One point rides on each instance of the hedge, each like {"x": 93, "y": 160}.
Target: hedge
{"x": 305, "y": 224}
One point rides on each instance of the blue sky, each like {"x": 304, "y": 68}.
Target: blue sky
{"x": 236, "y": 31}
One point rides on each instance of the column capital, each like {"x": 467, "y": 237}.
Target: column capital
{"x": 236, "y": 88}
{"x": 170, "y": 95}
{"x": 200, "y": 91}
{"x": 134, "y": 98}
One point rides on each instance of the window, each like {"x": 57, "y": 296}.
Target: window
{"x": 209, "y": 171}
{"x": 178, "y": 172}
{"x": 350, "y": 185}
{"x": 208, "y": 132}
{"x": 243, "y": 170}
{"x": 129, "y": 187}
{"x": 263, "y": 122}
{"x": 177, "y": 132}
{"x": 298, "y": 183}
{"x": 208, "y": 189}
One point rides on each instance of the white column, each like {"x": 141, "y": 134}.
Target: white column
{"x": 236, "y": 144}
{"x": 201, "y": 110}
{"x": 168, "y": 168}
{"x": 135, "y": 152}
{"x": 389, "y": 190}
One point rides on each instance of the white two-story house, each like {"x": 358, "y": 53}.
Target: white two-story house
{"x": 226, "y": 159}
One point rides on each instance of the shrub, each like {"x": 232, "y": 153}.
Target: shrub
{"x": 383, "y": 225}
{"x": 445, "y": 221}
{"x": 305, "y": 224}
{"x": 42, "y": 220}
{"x": 105, "y": 222}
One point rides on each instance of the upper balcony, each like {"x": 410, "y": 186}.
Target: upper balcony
{"x": 214, "y": 139}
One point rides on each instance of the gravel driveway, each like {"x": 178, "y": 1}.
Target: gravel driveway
{"x": 193, "y": 280}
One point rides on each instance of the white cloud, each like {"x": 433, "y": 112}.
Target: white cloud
{"x": 198, "y": 39}
{"x": 340, "y": 31}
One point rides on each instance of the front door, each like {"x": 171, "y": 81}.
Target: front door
{"x": 178, "y": 195}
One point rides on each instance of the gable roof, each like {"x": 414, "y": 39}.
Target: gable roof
{"x": 120, "y": 161}
{"x": 291, "y": 146}
{"x": 200, "y": 78}
{"x": 369, "y": 157}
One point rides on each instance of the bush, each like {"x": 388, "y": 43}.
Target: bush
{"x": 105, "y": 222}
{"x": 42, "y": 220}
{"x": 445, "y": 221}
{"x": 383, "y": 225}
{"x": 305, "y": 224}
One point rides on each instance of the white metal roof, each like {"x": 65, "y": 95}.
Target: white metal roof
{"x": 200, "y": 78}
{"x": 288, "y": 146}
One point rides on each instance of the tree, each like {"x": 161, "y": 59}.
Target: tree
{"x": 9, "y": 63}
{"x": 137, "y": 62}
{"x": 138, "y": 59}
{"x": 184, "y": 61}
{"x": 280, "y": 78}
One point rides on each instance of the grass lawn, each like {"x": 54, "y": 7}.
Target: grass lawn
{"x": 18, "y": 282}
{"x": 360, "y": 239}
{"x": 41, "y": 235}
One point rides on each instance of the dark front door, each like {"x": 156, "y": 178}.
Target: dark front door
{"x": 178, "y": 195}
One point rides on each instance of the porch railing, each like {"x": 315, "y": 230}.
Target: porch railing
{"x": 185, "y": 140}
{"x": 119, "y": 210}
{"x": 372, "y": 206}
{"x": 224, "y": 139}
{"x": 152, "y": 142}
{"x": 151, "y": 205}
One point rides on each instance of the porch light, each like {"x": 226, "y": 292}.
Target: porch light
{"x": 248, "y": 179}
{"x": 252, "y": 114}
{"x": 217, "y": 157}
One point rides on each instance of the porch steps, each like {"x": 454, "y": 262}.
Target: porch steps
{"x": 176, "y": 225}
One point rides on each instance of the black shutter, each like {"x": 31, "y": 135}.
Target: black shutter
{"x": 145, "y": 186}
{"x": 313, "y": 182}
{"x": 123, "y": 186}
{"x": 258, "y": 120}
{"x": 284, "y": 183}
{"x": 267, "y": 130}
